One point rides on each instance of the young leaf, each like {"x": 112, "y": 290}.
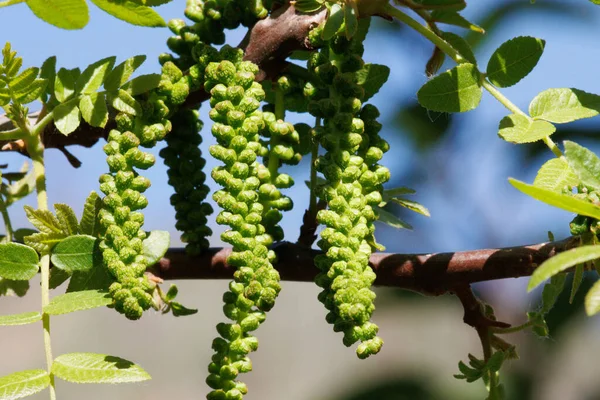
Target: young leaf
{"x": 454, "y": 5}
{"x": 514, "y": 60}
{"x": 564, "y": 105}
{"x": 461, "y": 45}
{"x": 76, "y": 253}
{"x": 92, "y": 77}
{"x": 97, "y": 368}
{"x": 454, "y": 18}
{"x": 67, "y": 117}
{"x": 372, "y": 77}
{"x": 142, "y": 84}
{"x": 22, "y": 81}
{"x": 390, "y": 219}
{"x": 131, "y": 12}
{"x": 43, "y": 242}
{"x": 22, "y": 384}
{"x": 18, "y": 261}
{"x": 559, "y": 200}
{"x": 65, "y": 14}
{"x": 33, "y": 92}
{"x": 122, "y": 72}
{"x": 67, "y": 218}
{"x": 44, "y": 220}
{"x": 577, "y": 279}
{"x": 561, "y": 262}
{"x": 93, "y": 109}
{"x": 592, "y": 299}
{"x": 89, "y": 219}
{"x": 77, "y": 301}
{"x": 412, "y": 205}
{"x": 181, "y": 311}
{"x": 124, "y": 102}
{"x": 584, "y": 163}
{"x": 308, "y": 6}
{"x": 20, "y": 319}
{"x": 64, "y": 84}
{"x": 517, "y": 128}
{"x": 456, "y": 90}
{"x": 334, "y": 22}
{"x": 155, "y": 246}
{"x": 555, "y": 175}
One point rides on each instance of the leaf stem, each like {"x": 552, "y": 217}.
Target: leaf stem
{"x": 6, "y": 218}
{"x": 10, "y": 3}
{"x": 13, "y": 134}
{"x": 512, "y": 329}
{"x": 502, "y": 99}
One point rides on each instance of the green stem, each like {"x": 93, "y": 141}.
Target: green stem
{"x": 10, "y": 2}
{"x": 502, "y": 99}
{"x": 512, "y": 329}
{"x": 6, "y": 218}
{"x": 13, "y": 134}
{"x": 314, "y": 153}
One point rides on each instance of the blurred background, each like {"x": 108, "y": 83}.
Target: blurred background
{"x": 459, "y": 168}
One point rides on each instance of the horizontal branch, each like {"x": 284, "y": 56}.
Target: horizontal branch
{"x": 432, "y": 274}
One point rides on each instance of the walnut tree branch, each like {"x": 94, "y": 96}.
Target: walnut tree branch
{"x": 431, "y": 274}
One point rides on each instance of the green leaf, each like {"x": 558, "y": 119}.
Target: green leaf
{"x": 389, "y": 194}
{"x": 131, "y": 12}
{"x": 514, "y": 60}
{"x": 308, "y": 6}
{"x": 412, "y": 205}
{"x": 89, "y": 219}
{"x": 516, "y": 128}
{"x": 142, "y": 84}
{"x": 564, "y": 105}
{"x": 155, "y": 246}
{"x": 77, "y": 301}
{"x": 456, "y": 90}
{"x": 43, "y": 242}
{"x": 64, "y": 84}
{"x": 67, "y": 117}
{"x": 58, "y": 277}
{"x": 97, "y": 368}
{"x": 334, "y": 22}
{"x": 93, "y": 109}
{"x": 461, "y": 45}
{"x": 20, "y": 319}
{"x": 92, "y": 77}
{"x": 555, "y": 175}
{"x": 18, "y": 261}
{"x": 44, "y": 220}
{"x": 390, "y": 219}
{"x": 67, "y": 219}
{"x": 124, "y": 102}
{"x": 551, "y": 291}
{"x": 76, "y": 253}
{"x": 65, "y": 14}
{"x": 564, "y": 201}
{"x": 584, "y": 163}
{"x": 455, "y": 5}
{"x": 21, "y": 82}
{"x": 48, "y": 72}
{"x": 592, "y": 299}
{"x": 98, "y": 278}
{"x": 350, "y": 20}
{"x": 372, "y": 77}
{"x": 562, "y": 262}
{"x": 22, "y": 384}
{"x": 119, "y": 76}
{"x": 577, "y": 279}
{"x": 180, "y": 311}
{"x": 34, "y": 91}
{"x": 454, "y": 18}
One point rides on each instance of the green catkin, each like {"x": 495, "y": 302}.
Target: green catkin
{"x": 354, "y": 184}
{"x": 235, "y": 99}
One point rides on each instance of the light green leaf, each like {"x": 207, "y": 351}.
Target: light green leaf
{"x": 454, "y": 18}
{"x": 564, "y": 201}
{"x": 67, "y": 218}
{"x": 334, "y": 22}
{"x": 20, "y": 319}
{"x": 18, "y": 261}
{"x": 77, "y": 301}
{"x": 124, "y": 102}
{"x": 93, "y": 109}
{"x": 516, "y": 128}
{"x": 21, "y": 82}
{"x": 562, "y": 262}
{"x": 43, "y": 242}
{"x": 67, "y": 117}
{"x": 65, "y": 14}
{"x": 92, "y": 77}
{"x": 372, "y": 77}
{"x": 142, "y": 84}
{"x": 44, "y": 220}
{"x": 564, "y": 105}
{"x": 97, "y": 368}
{"x": 390, "y": 219}
{"x": 89, "y": 222}
{"x": 34, "y": 91}
{"x": 155, "y": 246}
{"x": 555, "y": 175}
{"x": 514, "y": 60}
{"x": 119, "y": 76}
{"x": 461, "y": 45}
{"x": 584, "y": 163}
{"x": 412, "y": 205}
{"x": 592, "y": 299}
{"x": 22, "y": 384}
{"x": 76, "y": 253}
{"x": 64, "y": 83}
{"x": 456, "y": 90}
{"x": 131, "y": 12}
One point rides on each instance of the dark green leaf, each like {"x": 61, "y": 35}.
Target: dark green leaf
{"x": 76, "y": 253}
{"x": 20, "y": 319}
{"x": 180, "y": 311}
{"x": 389, "y": 194}
{"x": 562, "y": 262}
{"x": 308, "y": 6}
{"x": 372, "y": 77}
{"x": 120, "y": 75}
{"x": 390, "y": 219}
{"x": 92, "y": 77}
{"x": 97, "y": 368}
{"x": 89, "y": 219}
{"x": 131, "y": 12}
{"x": 584, "y": 163}
{"x": 454, "y": 5}
{"x": 93, "y": 109}
{"x": 48, "y": 72}
{"x": 454, "y": 18}
{"x": 350, "y": 20}
{"x": 456, "y": 90}
{"x": 516, "y": 128}
{"x": 22, "y": 384}
{"x": 564, "y": 105}
{"x": 461, "y": 45}
{"x": 9, "y": 287}
{"x": 98, "y": 278}
{"x": 412, "y": 205}
{"x": 592, "y": 299}
{"x": 58, "y": 277}
{"x": 18, "y": 261}
{"x": 77, "y": 301}
{"x": 65, "y": 14}
{"x": 334, "y": 22}
{"x": 514, "y": 60}
{"x": 577, "y": 279}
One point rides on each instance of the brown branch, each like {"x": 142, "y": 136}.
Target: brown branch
{"x": 431, "y": 274}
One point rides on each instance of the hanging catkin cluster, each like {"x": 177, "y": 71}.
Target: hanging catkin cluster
{"x": 235, "y": 99}
{"x": 354, "y": 184}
